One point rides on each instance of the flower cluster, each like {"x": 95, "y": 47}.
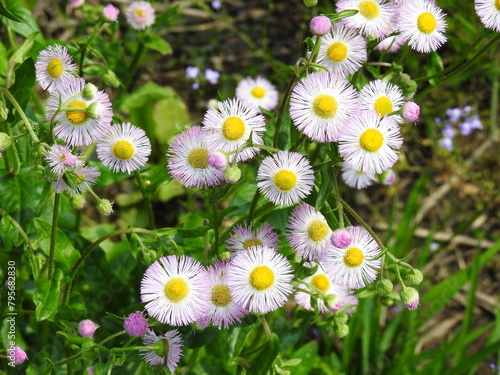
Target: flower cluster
{"x": 464, "y": 120}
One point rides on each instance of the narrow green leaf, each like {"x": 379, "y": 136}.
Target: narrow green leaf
{"x": 193, "y": 233}
{"x": 325, "y": 188}
{"x": 237, "y": 338}
{"x": 21, "y": 89}
{"x": 265, "y": 359}
{"x": 46, "y": 296}
{"x": 433, "y": 66}
{"x": 5, "y": 12}
{"x": 76, "y": 340}
{"x": 344, "y": 14}
{"x": 21, "y": 51}
{"x": 3, "y": 60}
{"x": 28, "y": 25}
{"x": 308, "y": 355}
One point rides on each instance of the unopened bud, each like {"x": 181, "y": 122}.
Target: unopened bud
{"x": 77, "y": 201}
{"x": 310, "y": 3}
{"x": 410, "y": 298}
{"x": 110, "y": 79}
{"x": 414, "y": 277}
{"x": 320, "y": 25}
{"x": 89, "y": 91}
{"x": 4, "y": 111}
{"x": 218, "y": 160}
{"x": 5, "y": 142}
{"x": 411, "y": 111}
{"x": 341, "y": 318}
{"x": 341, "y": 238}
{"x": 384, "y": 287}
{"x": 333, "y": 302}
{"x": 232, "y": 174}
{"x": 87, "y": 328}
{"x": 105, "y": 207}
{"x": 387, "y": 177}
{"x": 341, "y": 330}
{"x": 94, "y": 110}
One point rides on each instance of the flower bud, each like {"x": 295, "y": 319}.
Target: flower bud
{"x": 5, "y": 142}
{"x": 341, "y": 318}
{"x": 136, "y": 324}
{"x": 384, "y": 287}
{"x": 387, "y": 177}
{"x": 332, "y": 301}
{"x": 16, "y": 355}
{"x": 342, "y": 330}
{"x": 110, "y": 12}
{"x": 310, "y": 3}
{"x": 77, "y": 201}
{"x": 414, "y": 277}
{"x": 232, "y": 174}
{"x": 411, "y": 111}
{"x": 110, "y": 79}
{"x": 320, "y": 25}
{"x": 341, "y": 238}
{"x": 410, "y": 298}
{"x": 89, "y": 91}
{"x": 218, "y": 160}
{"x": 4, "y": 111}
{"x": 87, "y": 328}
{"x": 94, "y": 110}
{"x": 105, "y": 207}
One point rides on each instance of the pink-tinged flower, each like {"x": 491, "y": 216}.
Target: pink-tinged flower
{"x": 222, "y": 309}
{"x": 411, "y": 111}
{"x": 140, "y": 14}
{"x": 368, "y": 143}
{"x": 321, "y": 103}
{"x": 81, "y": 177}
{"x": 188, "y": 160}
{"x": 356, "y": 179}
{"x": 82, "y": 121}
{"x": 245, "y": 237}
{"x": 16, "y": 355}
{"x": 320, "y": 25}
{"x": 175, "y": 291}
{"x": 76, "y": 3}
{"x": 341, "y": 238}
{"x": 218, "y": 160}
{"x": 54, "y": 68}
{"x": 60, "y": 158}
{"x": 259, "y": 279}
{"x": 171, "y": 353}
{"x": 355, "y": 266}
{"x": 410, "y": 298}
{"x": 391, "y": 44}
{"x": 387, "y": 177}
{"x": 308, "y": 232}
{"x": 111, "y": 12}
{"x": 136, "y": 324}
{"x": 87, "y": 328}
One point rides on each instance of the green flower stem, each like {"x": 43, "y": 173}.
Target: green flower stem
{"x": 267, "y": 148}
{"x": 266, "y": 326}
{"x": 253, "y": 205}
{"x": 110, "y": 337}
{"x": 281, "y": 110}
{"x": 135, "y": 61}
{"x": 133, "y": 348}
{"x": 86, "y": 45}
{"x": 216, "y": 230}
{"x": 53, "y": 232}
{"x": 337, "y": 197}
{"x": 206, "y": 245}
{"x": 314, "y": 53}
{"x": 147, "y": 200}
{"x": 400, "y": 279}
{"x": 19, "y": 110}
{"x": 495, "y": 86}
{"x": 66, "y": 361}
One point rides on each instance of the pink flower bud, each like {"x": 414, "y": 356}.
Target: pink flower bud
{"x": 217, "y": 160}
{"x": 320, "y": 25}
{"x": 136, "y": 324}
{"x": 111, "y": 12}
{"x": 411, "y": 111}
{"x": 87, "y": 328}
{"x": 341, "y": 238}
{"x": 19, "y": 356}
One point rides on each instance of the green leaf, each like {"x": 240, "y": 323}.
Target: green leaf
{"x": 326, "y": 187}
{"x": 193, "y": 233}
{"x": 47, "y": 295}
{"x": 154, "y": 178}
{"x": 308, "y": 354}
{"x": 5, "y": 12}
{"x": 433, "y": 66}
{"x": 344, "y": 14}
{"x": 157, "y": 43}
{"x": 21, "y": 89}
{"x": 265, "y": 359}
{"x": 3, "y": 60}
{"x": 21, "y": 51}
{"x": 76, "y": 340}
{"x": 237, "y": 338}
{"x": 65, "y": 254}
{"x": 28, "y": 25}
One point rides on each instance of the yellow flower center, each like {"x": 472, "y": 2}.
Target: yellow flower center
{"x": 325, "y": 106}
{"x": 139, "y": 13}
{"x": 123, "y": 150}
{"x": 497, "y": 4}
{"x": 258, "y": 92}
{"x": 198, "y": 158}
{"x": 221, "y": 295}
{"x": 251, "y": 243}
{"x": 321, "y": 282}
{"x": 369, "y": 9}
{"x": 285, "y": 180}
{"x": 77, "y": 117}
{"x": 80, "y": 178}
{"x": 427, "y": 22}
{"x": 176, "y": 289}
{"x": 55, "y": 68}
{"x": 233, "y": 128}
{"x": 261, "y": 278}
{"x": 337, "y": 52}
{"x": 353, "y": 257}
{"x": 371, "y": 140}
{"x": 383, "y": 105}
{"x": 317, "y": 230}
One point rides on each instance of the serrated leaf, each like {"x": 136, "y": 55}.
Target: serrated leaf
{"x": 46, "y": 296}
{"x": 21, "y": 89}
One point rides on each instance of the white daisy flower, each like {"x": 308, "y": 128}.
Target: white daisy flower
{"x": 308, "y": 232}
{"x": 321, "y": 103}
{"x": 81, "y": 121}
{"x": 140, "y": 14}
{"x": 125, "y": 148}
{"x": 353, "y": 267}
{"x": 285, "y": 178}
{"x": 245, "y": 237}
{"x": 83, "y": 176}
{"x": 488, "y": 12}
{"x": 60, "y": 158}
{"x": 222, "y": 310}
{"x": 175, "y": 290}
{"x": 342, "y": 51}
{"x": 259, "y": 279}
{"x": 382, "y": 97}
{"x": 321, "y": 281}
{"x": 258, "y": 92}
{"x": 375, "y": 18}
{"x": 172, "y": 343}
{"x": 356, "y": 179}
{"x": 368, "y": 143}
{"x": 422, "y": 24}
{"x": 230, "y": 125}
{"x": 54, "y": 67}
{"x": 187, "y": 160}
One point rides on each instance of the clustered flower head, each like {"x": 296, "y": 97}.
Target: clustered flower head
{"x": 463, "y": 120}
